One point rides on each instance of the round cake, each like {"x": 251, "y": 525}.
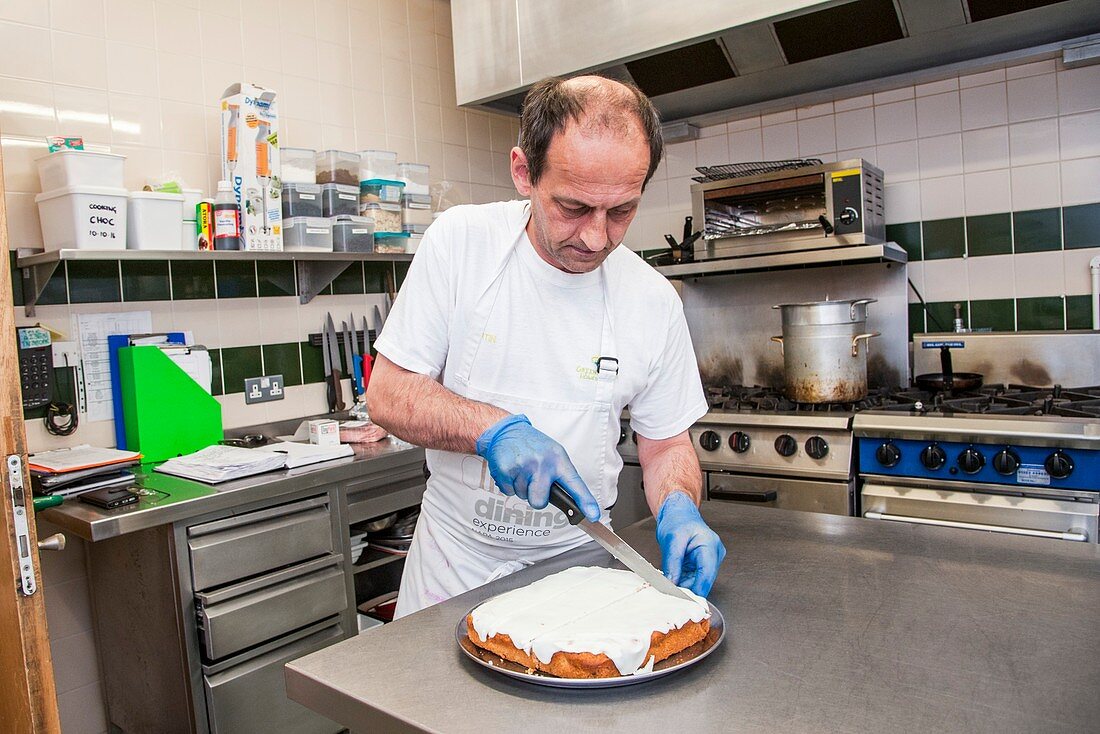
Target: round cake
{"x": 588, "y": 622}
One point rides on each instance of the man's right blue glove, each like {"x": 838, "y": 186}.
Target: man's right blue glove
{"x": 524, "y": 462}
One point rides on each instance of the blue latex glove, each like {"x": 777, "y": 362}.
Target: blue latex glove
{"x": 524, "y": 462}
{"x": 690, "y": 551}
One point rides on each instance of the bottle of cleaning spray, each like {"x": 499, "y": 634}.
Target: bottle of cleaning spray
{"x": 227, "y": 219}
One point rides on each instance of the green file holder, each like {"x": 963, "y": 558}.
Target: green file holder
{"x": 167, "y": 413}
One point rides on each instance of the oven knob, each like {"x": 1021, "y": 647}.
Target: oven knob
{"x": 1006, "y": 462}
{"x": 888, "y": 455}
{"x": 785, "y": 445}
{"x": 740, "y": 441}
{"x": 709, "y": 440}
{"x": 971, "y": 460}
{"x": 816, "y": 447}
{"x": 933, "y": 457}
{"x": 1059, "y": 465}
{"x": 622, "y": 436}
{"x": 848, "y": 216}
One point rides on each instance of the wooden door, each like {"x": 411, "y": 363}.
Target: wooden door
{"x": 28, "y": 699}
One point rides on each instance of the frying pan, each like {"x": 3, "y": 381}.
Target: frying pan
{"x": 947, "y": 380}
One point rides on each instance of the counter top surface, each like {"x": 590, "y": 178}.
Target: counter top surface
{"x": 177, "y": 499}
{"x": 833, "y": 624}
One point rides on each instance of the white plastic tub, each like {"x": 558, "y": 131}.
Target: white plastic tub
{"x": 80, "y": 168}
{"x": 83, "y": 217}
{"x": 154, "y": 221}
{"x": 189, "y": 237}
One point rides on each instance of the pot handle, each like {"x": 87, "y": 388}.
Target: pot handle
{"x": 857, "y": 337}
{"x": 860, "y": 302}
{"x": 778, "y": 340}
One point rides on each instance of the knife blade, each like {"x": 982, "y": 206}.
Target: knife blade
{"x": 330, "y": 393}
{"x": 614, "y": 545}
{"x": 356, "y": 360}
{"x": 379, "y": 320}
{"x": 336, "y": 391}
{"x": 349, "y": 357}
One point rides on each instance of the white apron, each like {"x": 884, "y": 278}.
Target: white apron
{"x": 469, "y": 532}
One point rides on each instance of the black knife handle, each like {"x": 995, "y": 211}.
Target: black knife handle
{"x": 337, "y": 389}
{"x": 560, "y": 498}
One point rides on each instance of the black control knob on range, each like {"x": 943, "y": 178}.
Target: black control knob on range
{"x": 709, "y": 440}
{"x": 817, "y": 447}
{"x": 932, "y": 457}
{"x": 740, "y": 441}
{"x": 888, "y": 455}
{"x": 622, "y": 436}
{"x": 971, "y": 460}
{"x": 848, "y": 216}
{"x": 785, "y": 445}
{"x": 1006, "y": 462}
{"x": 1059, "y": 464}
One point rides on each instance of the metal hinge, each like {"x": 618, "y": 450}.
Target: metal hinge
{"x": 27, "y": 583}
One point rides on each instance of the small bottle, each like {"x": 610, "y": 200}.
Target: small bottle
{"x": 227, "y": 219}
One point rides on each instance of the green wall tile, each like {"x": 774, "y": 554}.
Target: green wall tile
{"x": 56, "y": 290}
{"x": 1081, "y": 226}
{"x": 239, "y": 363}
{"x": 990, "y": 234}
{"x": 192, "y": 279}
{"x": 313, "y": 364}
{"x": 1040, "y": 314}
{"x": 1078, "y": 312}
{"x": 16, "y": 280}
{"x": 236, "y": 278}
{"x": 376, "y": 273}
{"x": 400, "y": 270}
{"x": 94, "y": 281}
{"x": 283, "y": 359}
{"x": 907, "y": 235}
{"x": 349, "y": 282}
{"x": 216, "y": 372}
{"x": 146, "y": 280}
{"x": 276, "y": 278}
{"x": 944, "y": 313}
{"x": 1037, "y": 230}
{"x": 944, "y": 238}
{"x": 998, "y": 314}
{"x": 916, "y": 319}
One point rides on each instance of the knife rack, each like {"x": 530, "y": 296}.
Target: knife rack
{"x": 315, "y": 339}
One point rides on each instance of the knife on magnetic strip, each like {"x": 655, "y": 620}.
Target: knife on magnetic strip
{"x": 335, "y": 389}
{"x": 613, "y": 544}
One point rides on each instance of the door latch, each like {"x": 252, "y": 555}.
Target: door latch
{"x": 27, "y": 583}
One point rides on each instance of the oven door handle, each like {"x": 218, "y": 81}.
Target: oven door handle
{"x": 1056, "y": 535}
{"x": 741, "y": 495}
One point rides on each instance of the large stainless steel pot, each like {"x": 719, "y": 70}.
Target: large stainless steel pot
{"x": 822, "y": 358}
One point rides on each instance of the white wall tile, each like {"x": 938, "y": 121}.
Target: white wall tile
{"x": 984, "y": 106}
{"x": 1033, "y": 142}
{"x": 944, "y": 85}
{"x": 746, "y": 145}
{"x": 938, "y": 114}
{"x": 131, "y": 69}
{"x": 899, "y": 161}
{"x": 82, "y": 711}
{"x": 1077, "y": 272}
{"x": 1032, "y": 98}
{"x": 75, "y": 661}
{"x": 680, "y": 159}
{"x": 33, "y": 12}
{"x": 711, "y": 131}
{"x": 77, "y": 16}
{"x": 712, "y": 151}
{"x": 855, "y": 128}
{"x": 893, "y": 95}
{"x": 775, "y": 118}
{"x": 1040, "y": 274}
{"x": 178, "y": 29}
{"x": 940, "y": 156}
{"x": 992, "y": 276}
{"x": 942, "y": 198}
{"x": 985, "y": 149}
{"x": 854, "y": 103}
{"x": 1036, "y": 187}
{"x": 816, "y": 110}
{"x": 20, "y": 170}
{"x": 68, "y": 608}
{"x": 1079, "y": 135}
{"x": 1046, "y": 66}
{"x": 780, "y": 141}
{"x": 131, "y": 20}
{"x": 946, "y": 280}
{"x": 981, "y": 78}
{"x": 816, "y": 135}
{"x": 1079, "y": 89}
{"x": 989, "y": 192}
{"x": 745, "y": 123}
{"x": 868, "y": 154}
{"x": 1080, "y": 181}
{"x": 135, "y": 120}
{"x": 679, "y": 195}
{"x": 895, "y": 121}
{"x": 903, "y": 202}
{"x": 26, "y": 51}
{"x": 79, "y": 60}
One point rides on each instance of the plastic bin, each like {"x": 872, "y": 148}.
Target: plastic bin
{"x": 191, "y": 199}
{"x": 189, "y": 238}
{"x": 387, "y": 217}
{"x": 84, "y": 217}
{"x": 413, "y": 243}
{"x": 338, "y": 166}
{"x": 81, "y": 168}
{"x": 307, "y": 233}
{"x": 381, "y": 190}
{"x": 298, "y": 165}
{"x": 339, "y": 200}
{"x": 416, "y": 176}
{"x": 153, "y": 218}
{"x": 391, "y": 242}
{"x": 301, "y": 200}
{"x": 353, "y": 234}
{"x": 377, "y": 164}
{"x": 416, "y": 209}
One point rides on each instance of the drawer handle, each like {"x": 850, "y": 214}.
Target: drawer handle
{"x": 763, "y": 495}
{"x": 1056, "y": 535}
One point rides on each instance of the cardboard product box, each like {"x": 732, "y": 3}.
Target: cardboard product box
{"x": 250, "y": 162}
{"x": 324, "y": 432}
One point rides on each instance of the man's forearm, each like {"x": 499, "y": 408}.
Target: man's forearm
{"x": 419, "y": 410}
{"x": 669, "y": 465}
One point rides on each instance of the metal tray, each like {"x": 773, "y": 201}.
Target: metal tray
{"x": 682, "y": 659}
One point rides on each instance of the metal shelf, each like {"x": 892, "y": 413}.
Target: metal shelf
{"x": 315, "y": 270}
{"x": 886, "y": 252}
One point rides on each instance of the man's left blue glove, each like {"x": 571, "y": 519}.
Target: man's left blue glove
{"x": 690, "y": 551}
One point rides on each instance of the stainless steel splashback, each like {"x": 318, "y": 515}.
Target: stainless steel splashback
{"x": 1038, "y": 358}
{"x": 731, "y": 320}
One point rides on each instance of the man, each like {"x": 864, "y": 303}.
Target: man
{"x": 522, "y": 331}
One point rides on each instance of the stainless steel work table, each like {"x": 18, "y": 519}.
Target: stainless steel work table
{"x": 834, "y": 624}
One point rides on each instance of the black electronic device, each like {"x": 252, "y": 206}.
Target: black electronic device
{"x": 109, "y": 497}
{"x": 35, "y": 367}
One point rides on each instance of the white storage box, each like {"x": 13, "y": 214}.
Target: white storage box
{"x": 83, "y": 217}
{"x": 416, "y": 176}
{"x": 80, "y": 168}
{"x": 154, "y": 221}
{"x": 191, "y": 199}
{"x": 377, "y": 164}
{"x": 189, "y": 239}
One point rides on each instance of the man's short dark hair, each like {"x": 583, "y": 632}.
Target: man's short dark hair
{"x": 552, "y": 103}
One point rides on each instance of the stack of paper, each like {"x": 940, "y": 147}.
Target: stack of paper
{"x": 80, "y": 469}
{"x": 303, "y": 454}
{"x": 221, "y": 463}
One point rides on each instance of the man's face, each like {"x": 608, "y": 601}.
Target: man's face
{"x": 587, "y": 196}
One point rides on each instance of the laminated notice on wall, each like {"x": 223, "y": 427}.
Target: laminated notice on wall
{"x": 92, "y": 330}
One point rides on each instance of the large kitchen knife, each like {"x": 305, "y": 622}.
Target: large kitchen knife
{"x": 614, "y": 545}
{"x": 366, "y": 361}
{"x": 349, "y": 356}
{"x": 333, "y": 377}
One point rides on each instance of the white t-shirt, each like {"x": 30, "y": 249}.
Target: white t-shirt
{"x": 545, "y": 321}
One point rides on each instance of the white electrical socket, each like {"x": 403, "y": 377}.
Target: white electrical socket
{"x": 65, "y": 354}
{"x": 263, "y": 389}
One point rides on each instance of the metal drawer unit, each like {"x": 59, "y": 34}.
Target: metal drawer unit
{"x": 385, "y": 492}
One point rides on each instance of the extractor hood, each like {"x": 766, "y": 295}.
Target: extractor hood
{"x": 503, "y": 46}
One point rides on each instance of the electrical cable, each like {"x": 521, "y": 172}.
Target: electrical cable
{"x": 925, "y": 307}
{"x": 58, "y": 412}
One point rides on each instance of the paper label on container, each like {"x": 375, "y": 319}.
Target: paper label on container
{"x": 307, "y": 197}
{"x": 349, "y": 197}
{"x": 1033, "y": 474}
{"x": 360, "y": 231}
{"x": 316, "y": 230}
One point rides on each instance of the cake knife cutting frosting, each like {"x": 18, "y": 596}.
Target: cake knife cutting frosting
{"x": 614, "y": 545}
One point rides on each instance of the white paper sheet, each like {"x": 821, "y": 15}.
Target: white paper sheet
{"x": 92, "y": 330}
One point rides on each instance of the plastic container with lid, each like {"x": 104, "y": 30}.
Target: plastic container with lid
{"x": 307, "y": 233}
{"x": 298, "y": 165}
{"x": 81, "y": 168}
{"x": 416, "y": 209}
{"x": 84, "y": 217}
{"x": 301, "y": 200}
{"x": 381, "y": 190}
{"x": 339, "y": 200}
{"x": 338, "y": 166}
{"x": 377, "y": 164}
{"x": 416, "y": 176}
{"x": 189, "y": 235}
{"x": 353, "y": 234}
{"x": 153, "y": 220}
{"x": 389, "y": 243}
{"x": 414, "y": 228}
{"x": 413, "y": 243}
{"x": 387, "y": 217}
{"x": 191, "y": 199}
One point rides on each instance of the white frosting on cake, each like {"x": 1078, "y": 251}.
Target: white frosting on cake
{"x": 587, "y": 609}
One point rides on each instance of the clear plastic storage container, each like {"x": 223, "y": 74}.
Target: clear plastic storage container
{"x": 339, "y": 200}
{"x": 338, "y": 166}
{"x": 416, "y": 209}
{"x": 387, "y": 217}
{"x": 301, "y": 200}
{"x": 381, "y": 190}
{"x": 416, "y": 176}
{"x": 413, "y": 243}
{"x": 390, "y": 243}
{"x": 152, "y": 220}
{"x": 298, "y": 165}
{"x": 307, "y": 233}
{"x": 80, "y": 168}
{"x": 377, "y": 164}
{"x": 353, "y": 234}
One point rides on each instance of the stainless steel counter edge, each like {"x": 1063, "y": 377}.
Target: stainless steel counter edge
{"x": 179, "y": 499}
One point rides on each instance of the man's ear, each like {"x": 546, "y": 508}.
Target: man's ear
{"x": 521, "y": 174}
